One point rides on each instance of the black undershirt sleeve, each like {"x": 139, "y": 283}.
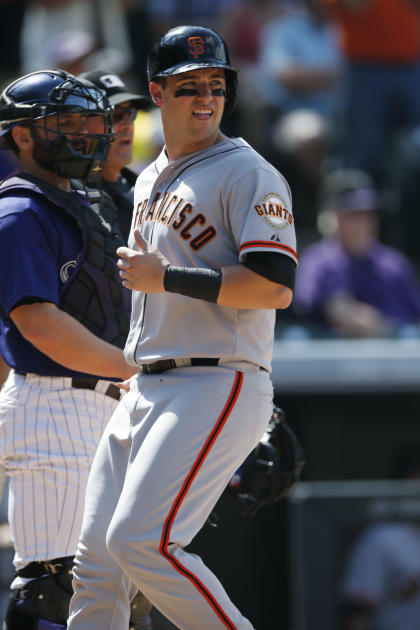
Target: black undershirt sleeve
{"x": 275, "y": 267}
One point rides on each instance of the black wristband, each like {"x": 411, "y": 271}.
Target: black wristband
{"x": 199, "y": 283}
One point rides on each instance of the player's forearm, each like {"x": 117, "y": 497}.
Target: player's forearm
{"x": 243, "y": 288}
{"x": 354, "y": 318}
{"x": 236, "y": 287}
{"x": 240, "y": 287}
{"x": 303, "y": 80}
{"x": 66, "y": 341}
{"x": 350, "y": 5}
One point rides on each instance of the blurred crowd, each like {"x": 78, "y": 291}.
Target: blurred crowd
{"x": 329, "y": 92}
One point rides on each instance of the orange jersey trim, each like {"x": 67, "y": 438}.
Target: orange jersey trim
{"x": 165, "y": 539}
{"x": 270, "y": 245}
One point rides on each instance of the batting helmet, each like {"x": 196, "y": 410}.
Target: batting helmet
{"x": 33, "y": 98}
{"x": 186, "y": 48}
{"x": 270, "y": 470}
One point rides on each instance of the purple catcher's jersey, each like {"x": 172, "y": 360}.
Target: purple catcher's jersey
{"x": 39, "y": 246}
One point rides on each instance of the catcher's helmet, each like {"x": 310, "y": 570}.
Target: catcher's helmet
{"x": 186, "y": 48}
{"x": 270, "y": 470}
{"x": 33, "y": 98}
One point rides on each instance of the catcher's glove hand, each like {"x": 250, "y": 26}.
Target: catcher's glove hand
{"x": 270, "y": 470}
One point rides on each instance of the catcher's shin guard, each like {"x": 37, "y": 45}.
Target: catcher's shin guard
{"x": 43, "y": 603}
{"x": 18, "y": 619}
{"x": 140, "y": 613}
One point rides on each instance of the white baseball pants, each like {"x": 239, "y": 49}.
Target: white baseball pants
{"x": 49, "y": 433}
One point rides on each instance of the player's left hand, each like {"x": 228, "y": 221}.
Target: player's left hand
{"x": 142, "y": 270}
{"x": 125, "y": 385}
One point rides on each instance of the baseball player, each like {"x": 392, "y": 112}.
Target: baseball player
{"x": 117, "y": 179}
{"x": 211, "y": 256}
{"x": 63, "y": 321}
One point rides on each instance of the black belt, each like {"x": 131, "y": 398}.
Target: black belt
{"x": 169, "y": 364}
{"x": 50, "y": 567}
{"x": 90, "y": 383}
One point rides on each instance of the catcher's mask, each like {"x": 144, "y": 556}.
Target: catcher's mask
{"x": 42, "y": 100}
{"x": 186, "y": 48}
{"x": 270, "y": 470}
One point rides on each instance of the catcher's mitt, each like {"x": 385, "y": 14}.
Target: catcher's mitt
{"x": 270, "y": 470}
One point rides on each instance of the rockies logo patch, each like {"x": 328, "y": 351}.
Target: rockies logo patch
{"x": 66, "y": 269}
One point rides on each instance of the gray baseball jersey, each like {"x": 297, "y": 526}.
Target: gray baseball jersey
{"x": 220, "y": 204}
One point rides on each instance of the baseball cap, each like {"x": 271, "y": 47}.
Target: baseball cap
{"x": 116, "y": 90}
{"x": 348, "y": 190}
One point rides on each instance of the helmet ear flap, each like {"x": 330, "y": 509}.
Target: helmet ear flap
{"x": 231, "y": 90}
{"x": 10, "y": 116}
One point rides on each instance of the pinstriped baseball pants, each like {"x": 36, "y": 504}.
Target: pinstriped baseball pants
{"x": 49, "y": 433}
{"x": 167, "y": 454}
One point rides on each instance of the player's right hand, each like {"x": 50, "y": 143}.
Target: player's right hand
{"x": 142, "y": 270}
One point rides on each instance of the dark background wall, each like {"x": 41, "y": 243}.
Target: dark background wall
{"x": 345, "y": 437}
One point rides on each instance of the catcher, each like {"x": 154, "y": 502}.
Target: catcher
{"x": 63, "y": 319}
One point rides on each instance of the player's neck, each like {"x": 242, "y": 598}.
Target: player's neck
{"x": 111, "y": 172}
{"x": 175, "y": 150}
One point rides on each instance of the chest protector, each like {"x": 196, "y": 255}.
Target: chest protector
{"x": 93, "y": 293}
{"x": 122, "y": 194}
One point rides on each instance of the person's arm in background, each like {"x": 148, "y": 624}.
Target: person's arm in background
{"x": 303, "y": 80}
{"x": 352, "y": 318}
{"x": 323, "y": 295}
{"x": 351, "y": 5}
{"x": 279, "y": 59}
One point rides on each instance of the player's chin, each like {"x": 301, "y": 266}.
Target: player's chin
{"x": 123, "y": 154}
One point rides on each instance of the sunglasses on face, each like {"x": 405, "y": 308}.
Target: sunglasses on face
{"x": 121, "y": 112}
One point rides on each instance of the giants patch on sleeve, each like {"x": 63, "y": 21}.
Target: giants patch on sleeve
{"x": 273, "y": 210}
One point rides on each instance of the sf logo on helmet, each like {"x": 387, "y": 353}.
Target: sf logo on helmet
{"x": 196, "y": 46}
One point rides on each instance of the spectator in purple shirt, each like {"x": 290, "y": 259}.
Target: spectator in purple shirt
{"x": 349, "y": 283}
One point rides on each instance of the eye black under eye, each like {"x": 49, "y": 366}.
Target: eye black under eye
{"x": 186, "y": 92}
{"x": 194, "y": 92}
{"x": 219, "y": 91}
